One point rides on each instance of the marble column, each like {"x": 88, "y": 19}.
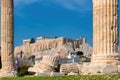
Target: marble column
{"x": 105, "y": 31}
{"x": 7, "y": 37}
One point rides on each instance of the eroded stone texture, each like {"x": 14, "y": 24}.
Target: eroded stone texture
{"x": 7, "y": 38}
{"x": 86, "y": 49}
{"x": 42, "y": 44}
{"x": 48, "y": 64}
{"x": 70, "y": 67}
{"x": 105, "y": 31}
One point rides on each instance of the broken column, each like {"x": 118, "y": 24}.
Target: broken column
{"x": 7, "y": 37}
{"x": 105, "y": 31}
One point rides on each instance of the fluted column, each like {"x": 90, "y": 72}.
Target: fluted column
{"x": 7, "y": 36}
{"x": 105, "y": 31}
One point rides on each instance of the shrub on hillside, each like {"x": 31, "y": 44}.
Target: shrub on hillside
{"x": 22, "y": 71}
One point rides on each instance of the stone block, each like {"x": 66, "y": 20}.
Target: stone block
{"x": 109, "y": 69}
{"x": 56, "y": 74}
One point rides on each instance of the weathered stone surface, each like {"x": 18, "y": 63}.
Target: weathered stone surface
{"x": 109, "y": 69}
{"x": 101, "y": 68}
{"x": 4, "y": 74}
{"x": 105, "y": 58}
{"x": 61, "y": 50}
{"x": 7, "y": 38}
{"x": 41, "y": 74}
{"x": 46, "y": 44}
{"x": 119, "y": 68}
{"x": 86, "y": 49}
{"x": 105, "y": 43}
{"x": 105, "y": 31}
{"x": 64, "y": 50}
{"x": 56, "y": 74}
{"x": 72, "y": 74}
{"x": 68, "y": 68}
{"x": 48, "y": 64}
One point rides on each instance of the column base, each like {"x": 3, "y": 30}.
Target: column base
{"x": 102, "y": 64}
{"x": 99, "y": 69}
{"x": 105, "y": 59}
{"x": 6, "y": 74}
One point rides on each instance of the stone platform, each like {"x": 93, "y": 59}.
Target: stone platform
{"x": 100, "y": 68}
{"x": 6, "y": 74}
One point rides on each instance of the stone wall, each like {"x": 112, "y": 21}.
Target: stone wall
{"x": 67, "y": 68}
{"x": 43, "y": 43}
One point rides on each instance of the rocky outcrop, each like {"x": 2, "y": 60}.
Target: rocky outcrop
{"x": 64, "y": 50}
{"x": 86, "y": 49}
{"x": 46, "y": 44}
{"x": 53, "y": 58}
{"x": 61, "y": 50}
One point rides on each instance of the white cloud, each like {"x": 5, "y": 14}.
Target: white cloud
{"x": 24, "y": 2}
{"x": 68, "y": 4}
{"x": 75, "y": 4}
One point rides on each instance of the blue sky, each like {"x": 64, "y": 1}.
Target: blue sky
{"x": 68, "y": 18}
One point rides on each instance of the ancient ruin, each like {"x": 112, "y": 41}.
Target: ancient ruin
{"x": 45, "y": 46}
{"x": 105, "y": 31}
{"x": 46, "y": 43}
{"x": 105, "y": 58}
{"x": 105, "y": 39}
{"x": 48, "y": 64}
{"x": 7, "y": 38}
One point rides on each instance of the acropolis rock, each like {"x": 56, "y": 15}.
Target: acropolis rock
{"x": 7, "y": 38}
{"x": 45, "y": 46}
{"x": 86, "y": 49}
{"x": 45, "y": 43}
